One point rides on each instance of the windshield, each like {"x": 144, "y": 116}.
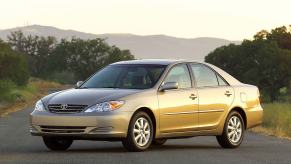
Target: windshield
{"x": 126, "y": 77}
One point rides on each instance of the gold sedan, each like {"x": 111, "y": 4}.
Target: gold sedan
{"x": 144, "y": 102}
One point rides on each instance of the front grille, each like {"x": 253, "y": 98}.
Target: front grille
{"x": 63, "y": 129}
{"x": 66, "y": 108}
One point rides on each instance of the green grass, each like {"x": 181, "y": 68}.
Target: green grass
{"x": 14, "y": 98}
{"x": 12, "y": 93}
{"x": 277, "y": 119}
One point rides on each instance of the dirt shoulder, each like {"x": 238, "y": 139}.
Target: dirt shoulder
{"x": 269, "y": 132}
{"x": 28, "y": 98}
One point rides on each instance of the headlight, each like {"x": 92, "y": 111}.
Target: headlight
{"x": 39, "y": 106}
{"x": 105, "y": 106}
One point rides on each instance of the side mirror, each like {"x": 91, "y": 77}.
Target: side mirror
{"x": 169, "y": 86}
{"x": 79, "y": 83}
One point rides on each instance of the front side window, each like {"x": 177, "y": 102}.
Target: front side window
{"x": 204, "y": 76}
{"x": 126, "y": 77}
{"x": 179, "y": 74}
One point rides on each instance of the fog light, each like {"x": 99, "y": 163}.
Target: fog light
{"x": 32, "y": 129}
{"x": 102, "y": 129}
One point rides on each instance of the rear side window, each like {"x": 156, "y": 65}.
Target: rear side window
{"x": 221, "y": 82}
{"x": 204, "y": 76}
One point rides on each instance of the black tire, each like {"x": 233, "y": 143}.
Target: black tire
{"x": 57, "y": 144}
{"x": 129, "y": 142}
{"x": 225, "y": 141}
{"x": 159, "y": 142}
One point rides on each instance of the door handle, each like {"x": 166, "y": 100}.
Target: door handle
{"x": 227, "y": 93}
{"x": 193, "y": 96}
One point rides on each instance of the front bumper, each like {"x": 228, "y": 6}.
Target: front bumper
{"x": 80, "y": 125}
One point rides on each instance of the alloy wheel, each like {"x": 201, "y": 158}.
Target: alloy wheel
{"x": 234, "y": 129}
{"x": 141, "y": 131}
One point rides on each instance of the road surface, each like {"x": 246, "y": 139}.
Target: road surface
{"x": 17, "y": 146}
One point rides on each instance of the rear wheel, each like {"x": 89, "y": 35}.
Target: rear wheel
{"x": 159, "y": 141}
{"x": 233, "y": 132}
{"x": 140, "y": 133}
{"x": 57, "y": 144}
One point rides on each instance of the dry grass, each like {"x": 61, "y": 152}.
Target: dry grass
{"x": 44, "y": 85}
{"x": 276, "y": 120}
{"x": 270, "y": 132}
{"x": 29, "y": 95}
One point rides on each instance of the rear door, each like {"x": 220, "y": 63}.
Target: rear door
{"x": 214, "y": 94}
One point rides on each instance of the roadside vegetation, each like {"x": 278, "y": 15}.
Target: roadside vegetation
{"x": 15, "y": 97}
{"x": 276, "y": 120}
{"x": 30, "y": 65}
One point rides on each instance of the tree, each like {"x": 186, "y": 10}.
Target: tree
{"x": 72, "y": 58}
{"x": 258, "y": 62}
{"x": 84, "y": 57}
{"x": 17, "y": 41}
{"x": 281, "y": 35}
{"x": 12, "y": 65}
{"x": 261, "y": 35}
{"x": 36, "y": 49}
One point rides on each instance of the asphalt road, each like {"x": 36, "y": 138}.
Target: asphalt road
{"x": 17, "y": 146}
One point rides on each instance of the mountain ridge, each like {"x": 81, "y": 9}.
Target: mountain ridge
{"x": 142, "y": 46}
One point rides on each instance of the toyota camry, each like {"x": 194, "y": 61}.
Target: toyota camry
{"x": 146, "y": 102}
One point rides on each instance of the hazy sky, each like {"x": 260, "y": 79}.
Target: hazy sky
{"x": 229, "y": 19}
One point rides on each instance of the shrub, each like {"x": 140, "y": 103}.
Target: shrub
{"x": 8, "y": 90}
{"x": 64, "y": 77}
{"x": 13, "y": 66}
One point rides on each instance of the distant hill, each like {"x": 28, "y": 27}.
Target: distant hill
{"x": 150, "y": 46}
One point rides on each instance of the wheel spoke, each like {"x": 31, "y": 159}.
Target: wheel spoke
{"x": 233, "y": 137}
{"x": 230, "y": 127}
{"x": 144, "y": 137}
{"x": 141, "y": 122}
{"x": 231, "y": 133}
{"x": 239, "y": 130}
{"x": 135, "y": 131}
{"x": 147, "y": 132}
{"x": 140, "y": 140}
{"x": 238, "y": 124}
{"x": 137, "y": 137}
{"x": 137, "y": 124}
{"x": 231, "y": 122}
{"x": 234, "y": 121}
{"x": 145, "y": 126}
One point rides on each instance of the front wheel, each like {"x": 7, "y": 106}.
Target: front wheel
{"x": 57, "y": 144}
{"x": 140, "y": 133}
{"x": 233, "y": 132}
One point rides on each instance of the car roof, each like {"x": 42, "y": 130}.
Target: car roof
{"x": 152, "y": 61}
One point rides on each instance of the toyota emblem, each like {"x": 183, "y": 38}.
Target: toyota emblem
{"x": 64, "y": 106}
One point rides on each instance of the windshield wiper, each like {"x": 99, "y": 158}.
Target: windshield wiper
{"x": 97, "y": 87}
{"x": 82, "y": 88}
{"x": 111, "y": 87}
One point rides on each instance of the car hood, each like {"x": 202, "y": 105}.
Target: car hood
{"x": 86, "y": 96}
